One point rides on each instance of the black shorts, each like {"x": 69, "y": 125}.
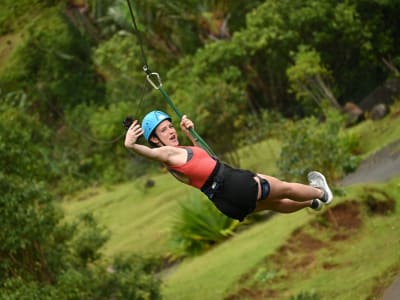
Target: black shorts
{"x": 236, "y": 195}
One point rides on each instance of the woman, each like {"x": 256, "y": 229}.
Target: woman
{"x": 235, "y": 192}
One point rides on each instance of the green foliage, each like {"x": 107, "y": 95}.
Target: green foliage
{"x": 313, "y": 145}
{"x": 263, "y": 275}
{"x": 94, "y": 138}
{"x": 28, "y": 222}
{"x": 211, "y": 101}
{"x": 131, "y": 277}
{"x": 341, "y": 34}
{"x": 198, "y": 227}
{"x": 12, "y": 13}
{"x": 90, "y": 238}
{"x": 22, "y": 145}
{"x": 125, "y": 278}
{"x": 173, "y": 29}
{"x": 309, "y": 80}
{"x": 306, "y": 296}
{"x": 41, "y": 257}
{"x": 119, "y": 60}
{"x": 53, "y": 65}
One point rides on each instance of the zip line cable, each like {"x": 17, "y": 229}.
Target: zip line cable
{"x": 139, "y": 37}
{"x": 158, "y": 86}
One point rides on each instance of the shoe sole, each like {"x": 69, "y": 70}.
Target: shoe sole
{"x": 326, "y": 188}
{"x": 320, "y": 205}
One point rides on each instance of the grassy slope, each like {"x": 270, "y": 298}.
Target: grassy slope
{"x": 209, "y": 276}
{"x": 7, "y": 45}
{"x": 138, "y": 218}
{"x": 139, "y": 221}
{"x": 360, "y": 263}
{"x": 356, "y": 267}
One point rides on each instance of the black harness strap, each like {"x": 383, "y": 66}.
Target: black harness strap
{"x": 215, "y": 181}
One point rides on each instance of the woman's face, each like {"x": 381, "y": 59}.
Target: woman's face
{"x": 166, "y": 134}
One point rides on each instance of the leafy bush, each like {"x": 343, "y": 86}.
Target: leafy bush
{"x": 125, "y": 278}
{"x": 199, "y": 226}
{"x": 313, "y": 145}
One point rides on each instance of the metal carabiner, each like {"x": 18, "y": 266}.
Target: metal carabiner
{"x": 156, "y": 86}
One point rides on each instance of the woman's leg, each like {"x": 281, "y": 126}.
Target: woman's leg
{"x": 287, "y": 197}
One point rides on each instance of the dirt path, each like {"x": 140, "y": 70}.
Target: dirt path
{"x": 379, "y": 167}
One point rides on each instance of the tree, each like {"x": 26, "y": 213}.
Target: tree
{"x": 305, "y": 145}
{"x": 53, "y": 65}
{"x": 309, "y": 79}
{"x": 344, "y": 35}
{"x": 173, "y": 29}
{"x": 43, "y": 257}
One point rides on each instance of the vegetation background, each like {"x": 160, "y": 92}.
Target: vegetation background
{"x": 273, "y": 76}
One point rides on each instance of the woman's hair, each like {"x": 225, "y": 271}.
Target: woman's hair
{"x": 153, "y": 145}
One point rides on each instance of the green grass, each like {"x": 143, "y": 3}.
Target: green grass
{"x": 359, "y": 262}
{"x": 138, "y": 218}
{"x": 261, "y": 157}
{"x": 8, "y": 43}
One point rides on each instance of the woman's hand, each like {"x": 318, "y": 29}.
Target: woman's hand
{"x": 133, "y": 134}
{"x": 186, "y": 124}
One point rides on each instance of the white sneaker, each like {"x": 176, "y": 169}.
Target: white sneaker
{"x": 318, "y": 180}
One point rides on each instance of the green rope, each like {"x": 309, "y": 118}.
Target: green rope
{"x": 159, "y": 87}
{"x": 193, "y": 132}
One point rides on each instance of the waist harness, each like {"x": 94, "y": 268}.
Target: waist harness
{"x": 215, "y": 181}
{"x": 233, "y": 191}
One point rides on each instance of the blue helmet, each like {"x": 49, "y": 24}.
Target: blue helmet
{"x": 151, "y": 121}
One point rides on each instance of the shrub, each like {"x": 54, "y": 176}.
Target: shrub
{"x": 126, "y": 278}
{"x": 313, "y": 145}
{"x": 199, "y": 226}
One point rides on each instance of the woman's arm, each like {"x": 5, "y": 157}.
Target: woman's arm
{"x": 161, "y": 154}
{"x": 185, "y": 125}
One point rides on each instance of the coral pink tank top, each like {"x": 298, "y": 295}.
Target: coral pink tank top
{"x": 196, "y": 170}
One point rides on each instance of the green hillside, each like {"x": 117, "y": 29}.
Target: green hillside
{"x": 305, "y": 252}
